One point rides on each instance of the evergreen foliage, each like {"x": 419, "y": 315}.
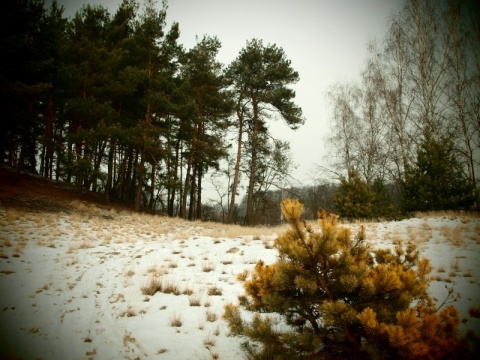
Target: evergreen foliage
{"x": 331, "y": 296}
{"x": 261, "y": 76}
{"x": 436, "y": 180}
{"x": 112, "y": 103}
{"x": 355, "y": 198}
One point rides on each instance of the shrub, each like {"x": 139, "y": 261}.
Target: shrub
{"x": 355, "y": 198}
{"x": 340, "y": 299}
{"x": 436, "y": 180}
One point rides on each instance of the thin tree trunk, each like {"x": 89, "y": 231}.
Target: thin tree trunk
{"x": 108, "y": 185}
{"x": 172, "y": 189}
{"x": 152, "y": 190}
{"x": 253, "y": 167}
{"x": 140, "y": 176}
{"x": 200, "y": 172}
{"x": 188, "y": 179}
{"x": 49, "y": 138}
{"x": 199, "y": 194}
{"x": 237, "y": 168}
{"x": 193, "y": 188}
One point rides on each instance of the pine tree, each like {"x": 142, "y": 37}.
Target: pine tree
{"x": 355, "y": 198}
{"x": 329, "y": 296}
{"x": 436, "y": 181}
{"x": 260, "y": 77}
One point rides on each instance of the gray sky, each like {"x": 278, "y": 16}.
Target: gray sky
{"x": 325, "y": 40}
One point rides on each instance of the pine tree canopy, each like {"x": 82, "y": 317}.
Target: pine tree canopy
{"x": 436, "y": 180}
{"x": 330, "y": 295}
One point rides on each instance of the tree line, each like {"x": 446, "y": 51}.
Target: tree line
{"x": 115, "y": 105}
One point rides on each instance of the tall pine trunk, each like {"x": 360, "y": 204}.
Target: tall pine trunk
{"x": 108, "y": 185}
{"x": 237, "y": 168}
{"x": 151, "y": 204}
{"x": 249, "y": 218}
{"x": 140, "y": 176}
{"x": 172, "y": 189}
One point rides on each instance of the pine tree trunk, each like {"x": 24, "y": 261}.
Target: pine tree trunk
{"x": 49, "y": 138}
{"x": 130, "y": 176}
{"x": 249, "y": 218}
{"x": 198, "y": 208}
{"x": 152, "y": 190}
{"x": 237, "y": 169}
{"x": 199, "y": 194}
{"x": 193, "y": 191}
{"x": 140, "y": 176}
{"x": 188, "y": 179}
{"x": 172, "y": 189}
{"x": 108, "y": 186}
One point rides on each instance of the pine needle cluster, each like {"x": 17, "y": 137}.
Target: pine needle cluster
{"x": 337, "y": 298}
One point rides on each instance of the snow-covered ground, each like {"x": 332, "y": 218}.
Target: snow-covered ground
{"x": 75, "y": 286}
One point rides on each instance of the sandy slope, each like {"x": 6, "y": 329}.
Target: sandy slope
{"x": 71, "y": 285}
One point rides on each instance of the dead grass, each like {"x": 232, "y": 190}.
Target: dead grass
{"x": 156, "y": 270}
{"x": 129, "y": 312}
{"x": 210, "y": 316}
{"x": 163, "y": 285}
{"x": 130, "y": 273}
{"x": 176, "y": 320}
{"x": 242, "y": 276}
{"x": 455, "y": 265}
{"x": 208, "y": 266}
{"x": 209, "y": 341}
{"x": 187, "y": 290}
{"x": 170, "y": 286}
{"x": 7, "y": 272}
{"x": 153, "y": 286}
{"x": 207, "y": 303}
{"x": 454, "y": 235}
{"x": 467, "y": 273}
{"x": 195, "y": 300}
{"x": 447, "y": 214}
{"x": 214, "y": 290}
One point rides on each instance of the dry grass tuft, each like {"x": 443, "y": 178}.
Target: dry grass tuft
{"x": 195, "y": 300}
{"x": 130, "y": 273}
{"x": 214, "y": 291}
{"x": 176, "y": 320}
{"x": 130, "y": 312}
{"x": 209, "y": 341}
{"x": 156, "y": 270}
{"x": 152, "y": 287}
{"x": 210, "y": 316}
{"x": 455, "y": 265}
{"x": 187, "y": 290}
{"x": 169, "y": 286}
{"x": 242, "y": 276}
{"x": 6, "y": 242}
{"x": 208, "y": 266}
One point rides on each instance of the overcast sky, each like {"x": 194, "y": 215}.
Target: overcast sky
{"x": 325, "y": 40}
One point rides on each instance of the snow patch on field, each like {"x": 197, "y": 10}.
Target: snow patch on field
{"x": 73, "y": 285}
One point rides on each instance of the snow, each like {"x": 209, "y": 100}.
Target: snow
{"x": 71, "y": 284}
